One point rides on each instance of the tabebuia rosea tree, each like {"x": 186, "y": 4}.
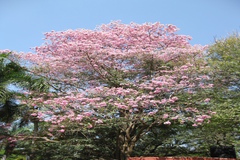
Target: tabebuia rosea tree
{"x": 134, "y": 75}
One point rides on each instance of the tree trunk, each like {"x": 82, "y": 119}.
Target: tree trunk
{"x": 127, "y": 136}
{"x": 118, "y": 150}
{"x": 35, "y": 127}
{"x": 126, "y": 142}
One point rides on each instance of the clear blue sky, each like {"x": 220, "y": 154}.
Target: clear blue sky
{"x": 23, "y": 22}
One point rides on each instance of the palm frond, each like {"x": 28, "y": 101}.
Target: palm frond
{"x": 4, "y": 95}
{"x": 11, "y": 73}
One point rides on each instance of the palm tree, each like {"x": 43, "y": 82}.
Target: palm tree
{"x": 8, "y": 70}
{"x": 13, "y": 74}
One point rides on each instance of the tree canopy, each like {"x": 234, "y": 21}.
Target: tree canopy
{"x": 133, "y": 76}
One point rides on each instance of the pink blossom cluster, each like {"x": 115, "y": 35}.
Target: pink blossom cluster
{"x": 107, "y": 46}
{"x": 4, "y": 51}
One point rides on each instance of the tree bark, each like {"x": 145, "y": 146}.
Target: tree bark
{"x": 125, "y": 141}
{"x": 35, "y": 127}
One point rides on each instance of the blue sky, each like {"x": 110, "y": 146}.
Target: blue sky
{"x": 23, "y": 22}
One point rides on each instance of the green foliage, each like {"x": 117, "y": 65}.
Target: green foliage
{"x": 224, "y": 62}
{"x": 12, "y": 156}
{"x": 13, "y": 74}
{"x": 174, "y": 140}
{"x": 74, "y": 143}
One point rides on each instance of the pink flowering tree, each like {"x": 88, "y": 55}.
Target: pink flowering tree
{"x": 133, "y": 75}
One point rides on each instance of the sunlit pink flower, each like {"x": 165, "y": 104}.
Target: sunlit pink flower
{"x": 89, "y": 126}
{"x": 205, "y": 116}
{"x": 79, "y": 118}
{"x": 207, "y": 100}
{"x": 50, "y": 135}
{"x": 157, "y": 91}
{"x": 184, "y": 77}
{"x": 174, "y": 98}
{"x": 174, "y": 118}
{"x": 213, "y": 113}
{"x": 194, "y": 125}
{"x": 87, "y": 114}
{"x": 23, "y": 102}
{"x": 210, "y": 85}
{"x": 199, "y": 120}
{"x": 165, "y": 116}
{"x": 34, "y": 114}
{"x": 205, "y": 77}
{"x": 61, "y": 130}
{"x": 99, "y": 121}
{"x": 171, "y": 101}
{"x": 151, "y": 113}
{"x": 201, "y": 85}
{"x": 102, "y": 104}
{"x": 167, "y": 123}
{"x": 182, "y": 121}
{"x": 163, "y": 100}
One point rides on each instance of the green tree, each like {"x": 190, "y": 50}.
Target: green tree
{"x": 224, "y": 69}
{"x": 224, "y": 61}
